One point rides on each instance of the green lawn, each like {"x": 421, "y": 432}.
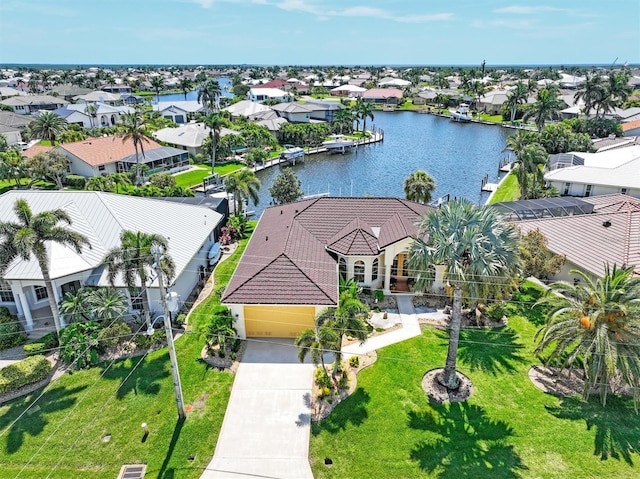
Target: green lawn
{"x": 507, "y": 429}
{"x": 491, "y": 118}
{"x": 195, "y": 177}
{"x": 78, "y": 410}
{"x": 509, "y": 190}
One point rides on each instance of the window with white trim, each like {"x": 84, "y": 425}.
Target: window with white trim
{"x": 40, "y": 292}
{"x": 342, "y": 268}
{"x": 374, "y": 269}
{"x": 6, "y": 295}
{"x": 136, "y": 299}
{"x": 358, "y": 271}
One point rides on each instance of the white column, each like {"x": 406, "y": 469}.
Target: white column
{"x": 56, "y": 296}
{"x": 26, "y": 310}
{"x": 387, "y": 278}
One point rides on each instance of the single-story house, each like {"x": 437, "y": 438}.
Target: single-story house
{"x": 323, "y": 110}
{"x": 263, "y": 94}
{"x": 246, "y": 108}
{"x": 27, "y": 104}
{"x": 277, "y": 83}
{"x": 178, "y": 111}
{"x": 189, "y": 137}
{"x": 290, "y": 270}
{"x": 393, "y": 82}
{"x": 591, "y": 174}
{"x": 99, "y": 96}
{"x": 68, "y": 92}
{"x": 348, "y": 90}
{"x": 101, "y": 217}
{"x": 391, "y": 96}
{"x": 293, "y": 112}
{"x": 610, "y": 234}
{"x": 8, "y": 92}
{"x": 11, "y": 126}
{"x": 110, "y": 154}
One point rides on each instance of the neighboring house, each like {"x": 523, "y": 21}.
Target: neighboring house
{"x": 178, "y": 111}
{"x": 101, "y": 217}
{"x": 293, "y": 112}
{"x": 391, "y": 96}
{"x": 117, "y": 88}
{"x": 592, "y": 174}
{"x": 290, "y": 269}
{"x": 68, "y": 92}
{"x": 27, "y": 104}
{"x": 246, "y": 108}
{"x": 491, "y": 102}
{"x": 610, "y": 234}
{"x": 12, "y": 125}
{"x": 109, "y": 154}
{"x": 263, "y": 94}
{"x": 100, "y": 96}
{"x": 189, "y": 137}
{"x": 348, "y": 90}
{"x": 323, "y": 110}
{"x": 93, "y": 115}
{"x": 277, "y": 83}
{"x": 7, "y": 92}
{"x": 393, "y": 82}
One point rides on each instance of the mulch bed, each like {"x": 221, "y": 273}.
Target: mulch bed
{"x": 440, "y": 394}
{"x": 567, "y": 382}
{"x": 225, "y": 363}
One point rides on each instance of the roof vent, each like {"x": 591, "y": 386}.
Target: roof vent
{"x": 266, "y": 238}
{"x": 606, "y": 224}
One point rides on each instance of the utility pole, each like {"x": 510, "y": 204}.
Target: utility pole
{"x": 175, "y": 374}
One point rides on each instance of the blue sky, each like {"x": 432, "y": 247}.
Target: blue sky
{"x": 320, "y": 32}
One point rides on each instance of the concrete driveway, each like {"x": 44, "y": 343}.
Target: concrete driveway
{"x": 266, "y": 428}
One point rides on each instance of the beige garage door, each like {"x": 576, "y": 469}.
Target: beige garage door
{"x": 278, "y": 321}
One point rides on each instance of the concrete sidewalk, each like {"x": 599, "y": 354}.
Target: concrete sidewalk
{"x": 266, "y": 428}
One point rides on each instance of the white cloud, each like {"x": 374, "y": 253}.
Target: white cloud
{"x": 524, "y": 10}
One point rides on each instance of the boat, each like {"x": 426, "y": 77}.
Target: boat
{"x": 462, "y": 113}
{"x": 338, "y": 144}
{"x": 292, "y": 154}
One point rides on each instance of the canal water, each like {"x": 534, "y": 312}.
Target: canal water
{"x": 457, "y": 155}
{"x": 225, "y": 84}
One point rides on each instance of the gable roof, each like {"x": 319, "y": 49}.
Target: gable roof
{"x": 105, "y": 150}
{"x": 291, "y": 256}
{"x": 102, "y": 217}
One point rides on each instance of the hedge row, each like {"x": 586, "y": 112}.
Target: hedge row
{"x": 11, "y": 333}
{"x": 43, "y": 345}
{"x": 23, "y": 372}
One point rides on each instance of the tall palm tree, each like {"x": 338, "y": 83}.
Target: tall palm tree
{"x": 419, "y": 186}
{"x": 546, "y": 107}
{"x": 214, "y": 122}
{"x": 316, "y": 341}
{"x": 596, "y": 323}
{"x": 209, "y": 95}
{"x": 186, "y": 85}
{"x": 522, "y": 138}
{"x": 133, "y": 127}
{"x": 528, "y": 164}
{"x": 48, "y": 126}
{"x": 516, "y": 97}
{"x": 243, "y": 185}
{"x": 592, "y": 92}
{"x": 618, "y": 89}
{"x": 29, "y": 236}
{"x": 345, "y": 320}
{"x": 157, "y": 83}
{"x": 364, "y": 110}
{"x": 344, "y": 118}
{"x": 475, "y": 246}
{"x": 133, "y": 260}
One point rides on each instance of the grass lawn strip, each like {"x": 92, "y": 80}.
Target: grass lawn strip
{"x": 172, "y": 449}
{"x": 507, "y": 429}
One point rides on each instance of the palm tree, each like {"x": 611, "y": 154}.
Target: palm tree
{"x": 242, "y": 184}
{"x": 344, "y": 118}
{"x": 528, "y": 163}
{"x": 209, "y": 95}
{"x": 517, "y": 96}
{"x": 596, "y": 323}
{"x": 214, "y": 122}
{"x": 364, "y": 110}
{"x": 29, "y": 236}
{"x": 345, "y": 320}
{"x": 186, "y": 85}
{"x": 419, "y": 186}
{"x": 133, "y": 260}
{"x": 442, "y": 99}
{"x": 592, "y": 93}
{"x": 316, "y": 341}
{"x": 618, "y": 89}
{"x": 91, "y": 109}
{"x": 157, "y": 83}
{"x": 48, "y": 126}
{"x": 546, "y": 107}
{"x": 100, "y": 304}
{"x": 475, "y": 246}
{"x": 522, "y": 138}
{"x": 133, "y": 126}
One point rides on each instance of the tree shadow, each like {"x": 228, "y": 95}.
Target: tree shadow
{"x": 35, "y": 420}
{"x": 145, "y": 379}
{"x": 352, "y": 410}
{"x": 617, "y": 427}
{"x": 490, "y": 350}
{"x": 465, "y": 443}
{"x": 165, "y": 473}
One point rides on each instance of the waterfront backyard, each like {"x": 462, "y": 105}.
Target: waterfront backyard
{"x": 507, "y": 429}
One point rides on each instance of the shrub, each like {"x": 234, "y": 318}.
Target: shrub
{"x": 322, "y": 379}
{"x": 497, "y": 311}
{"x": 21, "y": 373}
{"x": 180, "y": 319}
{"x": 11, "y": 333}
{"x": 79, "y": 344}
{"x": 76, "y": 181}
{"x": 324, "y": 392}
{"x": 118, "y": 332}
{"x": 43, "y": 345}
{"x": 378, "y": 294}
{"x": 142, "y": 341}
{"x": 354, "y": 361}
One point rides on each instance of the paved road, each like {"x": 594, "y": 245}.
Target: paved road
{"x": 266, "y": 428}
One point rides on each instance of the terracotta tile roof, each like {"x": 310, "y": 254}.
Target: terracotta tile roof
{"x": 105, "y": 150}
{"x": 272, "y": 84}
{"x": 36, "y": 149}
{"x": 396, "y": 228}
{"x": 288, "y": 260}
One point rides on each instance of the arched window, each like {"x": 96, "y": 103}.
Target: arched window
{"x": 342, "y": 268}
{"x": 358, "y": 271}
{"x": 374, "y": 269}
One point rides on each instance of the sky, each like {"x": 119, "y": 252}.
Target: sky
{"x": 320, "y": 32}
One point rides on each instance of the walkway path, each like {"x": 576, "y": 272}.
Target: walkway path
{"x": 266, "y": 428}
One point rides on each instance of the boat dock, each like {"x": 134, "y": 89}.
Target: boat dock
{"x": 486, "y": 186}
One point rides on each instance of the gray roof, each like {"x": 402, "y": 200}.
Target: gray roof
{"x": 14, "y": 120}
{"x": 101, "y": 217}
{"x": 34, "y": 100}
{"x": 292, "y": 107}
{"x": 156, "y": 154}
